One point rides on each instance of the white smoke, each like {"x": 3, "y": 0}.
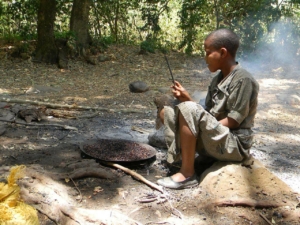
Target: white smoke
{"x": 279, "y": 49}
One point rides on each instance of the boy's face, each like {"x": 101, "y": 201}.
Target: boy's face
{"x": 212, "y": 57}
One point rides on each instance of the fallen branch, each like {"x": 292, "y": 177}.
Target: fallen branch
{"x": 247, "y": 203}
{"x": 66, "y": 127}
{"x": 135, "y": 175}
{"x": 62, "y": 106}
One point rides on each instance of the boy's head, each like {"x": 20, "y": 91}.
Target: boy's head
{"x": 224, "y": 38}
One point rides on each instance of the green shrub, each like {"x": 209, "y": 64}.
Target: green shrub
{"x": 148, "y": 46}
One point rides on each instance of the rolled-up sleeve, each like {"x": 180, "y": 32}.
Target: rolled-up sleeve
{"x": 240, "y": 98}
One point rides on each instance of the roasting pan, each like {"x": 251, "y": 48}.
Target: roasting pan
{"x": 117, "y": 150}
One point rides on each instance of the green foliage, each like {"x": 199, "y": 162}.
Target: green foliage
{"x": 64, "y": 35}
{"x": 148, "y": 46}
{"x": 106, "y": 41}
{"x": 19, "y": 18}
{"x": 11, "y": 38}
{"x": 163, "y": 24}
{"x": 192, "y": 21}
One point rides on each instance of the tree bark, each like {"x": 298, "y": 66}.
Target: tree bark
{"x": 79, "y": 23}
{"x": 46, "y": 50}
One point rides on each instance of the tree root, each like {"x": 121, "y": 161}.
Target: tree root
{"x": 52, "y": 199}
{"x": 88, "y": 172}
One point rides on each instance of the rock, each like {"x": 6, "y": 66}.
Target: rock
{"x": 103, "y": 58}
{"x": 253, "y": 184}
{"x": 6, "y": 115}
{"x": 92, "y": 60}
{"x": 62, "y": 64}
{"x": 2, "y": 128}
{"x": 25, "y": 56}
{"x": 32, "y": 114}
{"x": 160, "y": 102}
{"x": 138, "y": 87}
{"x": 157, "y": 138}
{"x": 4, "y": 105}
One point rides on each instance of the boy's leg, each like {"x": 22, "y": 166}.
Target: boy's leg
{"x": 188, "y": 145}
{"x": 213, "y": 139}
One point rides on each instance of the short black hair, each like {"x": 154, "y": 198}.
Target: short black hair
{"x": 225, "y": 38}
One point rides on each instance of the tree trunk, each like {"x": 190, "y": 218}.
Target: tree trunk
{"x": 46, "y": 50}
{"x": 79, "y": 23}
{"x": 217, "y": 14}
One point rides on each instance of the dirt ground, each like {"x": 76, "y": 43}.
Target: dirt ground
{"x": 115, "y": 112}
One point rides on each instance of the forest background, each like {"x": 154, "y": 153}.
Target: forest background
{"x": 86, "y": 26}
{"x": 46, "y": 51}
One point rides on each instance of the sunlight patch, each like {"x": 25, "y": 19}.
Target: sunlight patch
{"x": 4, "y": 91}
{"x": 103, "y": 97}
{"x": 279, "y": 83}
{"x": 75, "y": 99}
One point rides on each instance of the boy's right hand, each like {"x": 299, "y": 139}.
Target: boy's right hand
{"x": 180, "y": 93}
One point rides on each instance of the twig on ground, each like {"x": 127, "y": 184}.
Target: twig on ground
{"x": 77, "y": 189}
{"x": 151, "y": 222}
{"x": 147, "y": 200}
{"x": 247, "y": 202}
{"x": 177, "y": 212}
{"x": 136, "y": 175}
{"x": 88, "y": 116}
{"x": 265, "y": 218}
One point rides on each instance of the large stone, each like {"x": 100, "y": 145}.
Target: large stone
{"x": 138, "y": 87}
{"x": 248, "y": 183}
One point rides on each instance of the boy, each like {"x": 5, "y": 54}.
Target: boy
{"x": 221, "y": 131}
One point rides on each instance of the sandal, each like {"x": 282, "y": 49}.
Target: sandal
{"x": 168, "y": 182}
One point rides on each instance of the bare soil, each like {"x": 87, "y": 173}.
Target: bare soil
{"x": 117, "y": 113}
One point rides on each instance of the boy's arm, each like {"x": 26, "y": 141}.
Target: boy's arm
{"x": 230, "y": 123}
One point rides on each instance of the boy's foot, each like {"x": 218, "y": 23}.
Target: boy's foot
{"x": 168, "y": 182}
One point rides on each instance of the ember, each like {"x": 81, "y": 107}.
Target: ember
{"x": 118, "y": 150}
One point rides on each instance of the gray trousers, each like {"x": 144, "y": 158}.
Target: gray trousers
{"x": 213, "y": 139}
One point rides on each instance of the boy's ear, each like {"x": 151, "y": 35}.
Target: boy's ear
{"x": 224, "y": 52}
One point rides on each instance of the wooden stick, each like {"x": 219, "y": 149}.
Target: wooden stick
{"x": 135, "y": 175}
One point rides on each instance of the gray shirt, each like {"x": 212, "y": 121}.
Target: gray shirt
{"x": 234, "y": 97}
